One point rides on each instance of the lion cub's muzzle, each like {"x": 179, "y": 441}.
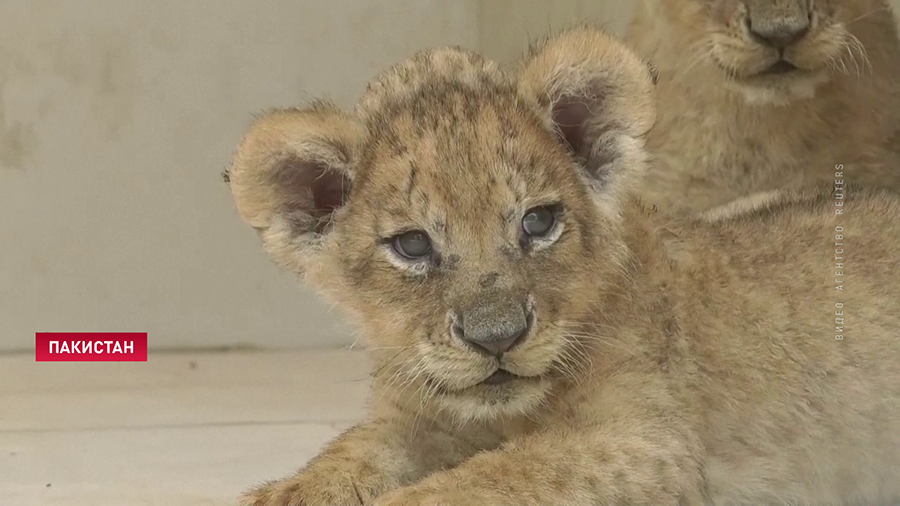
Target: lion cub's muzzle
{"x": 493, "y": 325}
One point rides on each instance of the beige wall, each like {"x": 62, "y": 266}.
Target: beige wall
{"x": 116, "y": 118}
{"x": 507, "y": 25}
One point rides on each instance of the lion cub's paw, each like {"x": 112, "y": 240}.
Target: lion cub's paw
{"x": 430, "y": 496}
{"x": 311, "y": 488}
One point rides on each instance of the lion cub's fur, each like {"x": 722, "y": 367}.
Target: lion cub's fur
{"x": 723, "y": 133}
{"x": 671, "y": 360}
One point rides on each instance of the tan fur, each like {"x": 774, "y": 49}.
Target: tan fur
{"x": 724, "y": 132}
{"x": 671, "y": 360}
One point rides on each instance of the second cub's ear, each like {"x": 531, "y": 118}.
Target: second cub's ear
{"x": 291, "y": 173}
{"x": 598, "y": 96}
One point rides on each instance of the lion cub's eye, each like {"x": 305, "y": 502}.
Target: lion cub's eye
{"x": 538, "y": 221}
{"x": 413, "y": 245}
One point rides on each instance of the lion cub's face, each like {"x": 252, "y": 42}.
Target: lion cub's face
{"x": 458, "y": 211}
{"x": 777, "y": 50}
{"x": 467, "y": 228}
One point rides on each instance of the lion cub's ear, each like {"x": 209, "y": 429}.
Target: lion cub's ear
{"x": 291, "y": 173}
{"x": 599, "y": 97}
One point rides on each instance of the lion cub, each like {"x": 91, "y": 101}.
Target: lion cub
{"x": 539, "y": 338}
{"x": 762, "y": 94}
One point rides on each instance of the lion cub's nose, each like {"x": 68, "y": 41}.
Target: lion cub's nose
{"x": 781, "y": 34}
{"x": 495, "y": 344}
{"x": 492, "y": 328}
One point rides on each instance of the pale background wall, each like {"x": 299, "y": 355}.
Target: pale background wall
{"x": 117, "y": 116}
{"x": 507, "y": 25}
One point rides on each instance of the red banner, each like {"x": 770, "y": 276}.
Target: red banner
{"x": 90, "y": 347}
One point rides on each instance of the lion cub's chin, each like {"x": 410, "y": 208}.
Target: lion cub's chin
{"x": 779, "y": 89}
{"x": 487, "y": 402}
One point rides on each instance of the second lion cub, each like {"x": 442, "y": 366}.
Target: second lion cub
{"x": 756, "y": 95}
{"x": 539, "y": 338}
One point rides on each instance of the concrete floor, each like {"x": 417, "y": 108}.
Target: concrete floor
{"x": 179, "y": 430}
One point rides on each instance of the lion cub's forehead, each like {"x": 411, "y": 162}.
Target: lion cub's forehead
{"x": 400, "y": 84}
{"x": 450, "y": 131}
